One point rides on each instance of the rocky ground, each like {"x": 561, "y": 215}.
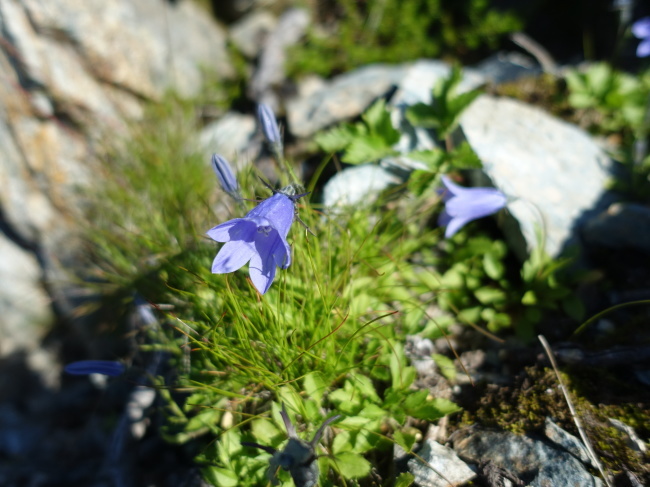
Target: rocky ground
{"x": 73, "y": 79}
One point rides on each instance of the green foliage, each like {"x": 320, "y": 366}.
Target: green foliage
{"x": 392, "y": 31}
{"x": 478, "y": 286}
{"x": 619, "y": 98}
{"x": 446, "y": 106}
{"x": 365, "y": 141}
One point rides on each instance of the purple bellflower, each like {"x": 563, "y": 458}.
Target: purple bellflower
{"x": 641, "y": 30}
{"x": 226, "y": 177}
{"x": 85, "y": 367}
{"x": 463, "y": 205}
{"x": 259, "y": 238}
{"x": 269, "y": 125}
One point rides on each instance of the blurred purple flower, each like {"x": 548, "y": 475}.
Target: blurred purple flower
{"x": 226, "y": 177}
{"x": 260, "y": 237}
{"x": 463, "y": 205}
{"x": 641, "y": 30}
{"x": 270, "y": 129}
{"x": 85, "y": 367}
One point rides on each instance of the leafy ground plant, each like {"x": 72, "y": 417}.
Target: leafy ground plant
{"x": 325, "y": 338}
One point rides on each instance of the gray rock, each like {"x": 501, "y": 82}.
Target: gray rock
{"x": 74, "y": 73}
{"x": 231, "y": 137}
{"x": 144, "y": 47}
{"x": 249, "y": 33}
{"x": 621, "y": 226}
{"x": 345, "y": 97}
{"x": 357, "y": 184}
{"x": 443, "y": 468}
{"x": 567, "y": 441}
{"x": 527, "y": 458}
{"x": 553, "y": 170}
{"x": 25, "y": 309}
{"x": 504, "y": 67}
{"x": 270, "y": 71}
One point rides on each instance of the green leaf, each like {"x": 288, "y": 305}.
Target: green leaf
{"x": 405, "y": 441}
{"x": 490, "y": 295}
{"x": 493, "y": 266}
{"x": 434, "y": 409}
{"x": 220, "y": 476}
{"x": 352, "y": 466}
{"x": 422, "y": 115}
{"x": 378, "y": 120}
{"x": 420, "y": 181}
{"x": 464, "y": 157}
{"x": 446, "y": 365}
{"x": 338, "y": 138}
{"x": 366, "y": 149}
{"x": 529, "y": 298}
{"x": 405, "y": 479}
{"x": 265, "y": 430}
{"x": 315, "y": 386}
{"x": 433, "y": 158}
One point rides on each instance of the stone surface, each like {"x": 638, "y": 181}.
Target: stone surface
{"x": 554, "y": 172}
{"x": 621, "y": 226}
{"x": 25, "y": 309}
{"x": 249, "y": 34}
{"x": 356, "y": 184}
{"x": 531, "y": 460}
{"x": 231, "y": 137}
{"x": 444, "y": 467}
{"x": 74, "y": 73}
{"x": 270, "y": 71}
{"x": 344, "y": 97}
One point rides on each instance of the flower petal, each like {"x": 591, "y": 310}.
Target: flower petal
{"x": 236, "y": 229}
{"x": 643, "y": 49}
{"x": 456, "y": 224}
{"x": 278, "y": 211}
{"x": 232, "y": 256}
{"x": 85, "y": 367}
{"x": 478, "y": 203}
{"x": 641, "y": 28}
{"x": 262, "y": 271}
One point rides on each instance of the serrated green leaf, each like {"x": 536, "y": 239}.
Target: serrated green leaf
{"x": 433, "y": 158}
{"x": 220, "y": 476}
{"x": 405, "y": 441}
{"x": 364, "y": 385}
{"x": 421, "y": 181}
{"x": 368, "y": 148}
{"x": 379, "y": 123}
{"x": 415, "y": 399}
{"x": 422, "y": 115}
{"x": 352, "y": 466}
{"x": 434, "y": 409}
{"x": 464, "y": 157}
{"x": 338, "y": 138}
{"x": 405, "y": 479}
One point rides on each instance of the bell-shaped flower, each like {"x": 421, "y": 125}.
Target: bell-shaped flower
{"x": 641, "y": 30}
{"x": 463, "y": 205}
{"x": 226, "y": 176}
{"x": 259, "y": 238}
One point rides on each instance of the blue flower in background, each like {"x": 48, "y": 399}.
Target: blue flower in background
{"x": 259, "y": 238}
{"x": 641, "y": 30}
{"x": 226, "y": 177}
{"x": 462, "y": 205}
{"x": 85, "y": 367}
